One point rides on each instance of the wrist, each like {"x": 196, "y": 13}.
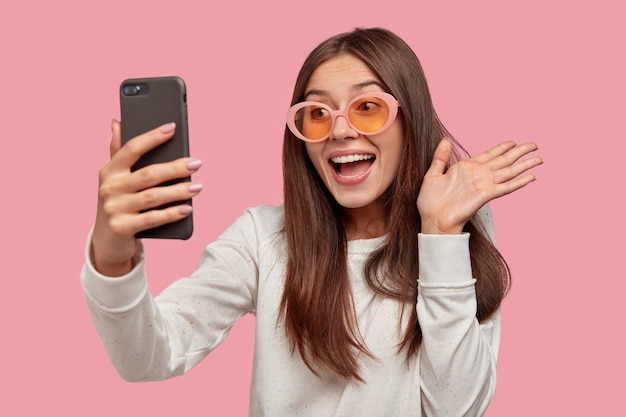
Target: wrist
{"x": 434, "y": 228}
{"x": 113, "y": 269}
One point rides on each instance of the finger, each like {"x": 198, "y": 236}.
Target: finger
{"x": 494, "y": 152}
{"x": 130, "y": 224}
{"x": 512, "y": 155}
{"x": 509, "y": 172}
{"x": 116, "y": 138}
{"x": 155, "y": 197}
{"x": 132, "y": 150}
{"x": 513, "y": 185}
{"x": 155, "y": 174}
{"x": 441, "y": 157}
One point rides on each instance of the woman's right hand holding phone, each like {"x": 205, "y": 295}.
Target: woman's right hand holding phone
{"x": 123, "y": 197}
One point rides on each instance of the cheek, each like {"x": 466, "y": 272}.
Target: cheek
{"x": 392, "y": 146}
{"x": 401, "y": 140}
{"x": 314, "y": 151}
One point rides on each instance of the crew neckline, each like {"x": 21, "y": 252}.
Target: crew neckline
{"x": 365, "y": 245}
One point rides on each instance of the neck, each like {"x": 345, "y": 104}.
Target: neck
{"x": 365, "y": 222}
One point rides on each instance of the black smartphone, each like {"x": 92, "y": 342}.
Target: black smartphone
{"x": 145, "y": 104}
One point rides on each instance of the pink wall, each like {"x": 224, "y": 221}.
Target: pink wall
{"x": 549, "y": 72}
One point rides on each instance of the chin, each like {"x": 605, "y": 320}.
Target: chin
{"x": 355, "y": 202}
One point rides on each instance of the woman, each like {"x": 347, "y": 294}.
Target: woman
{"x": 376, "y": 286}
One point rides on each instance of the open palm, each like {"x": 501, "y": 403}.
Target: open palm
{"x": 449, "y": 198}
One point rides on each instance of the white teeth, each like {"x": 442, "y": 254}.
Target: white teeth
{"x": 350, "y": 158}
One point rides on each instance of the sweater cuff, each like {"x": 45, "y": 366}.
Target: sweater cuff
{"x": 444, "y": 260}
{"x": 113, "y": 294}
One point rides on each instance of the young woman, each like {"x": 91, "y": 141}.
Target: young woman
{"x": 376, "y": 286}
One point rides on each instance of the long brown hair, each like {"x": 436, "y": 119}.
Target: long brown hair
{"x": 317, "y": 307}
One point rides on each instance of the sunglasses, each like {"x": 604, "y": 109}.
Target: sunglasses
{"x": 367, "y": 114}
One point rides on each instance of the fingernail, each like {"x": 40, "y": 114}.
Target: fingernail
{"x": 194, "y": 165}
{"x": 194, "y": 188}
{"x": 184, "y": 210}
{"x": 167, "y": 128}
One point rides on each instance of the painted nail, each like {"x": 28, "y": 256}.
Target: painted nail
{"x": 167, "y": 128}
{"x": 184, "y": 210}
{"x": 194, "y": 165}
{"x": 194, "y": 188}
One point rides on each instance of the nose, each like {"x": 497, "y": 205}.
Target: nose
{"x": 342, "y": 130}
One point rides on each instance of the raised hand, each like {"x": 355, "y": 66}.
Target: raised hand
{"x": 124, "y": 195}
{"x": 449, "y": 198}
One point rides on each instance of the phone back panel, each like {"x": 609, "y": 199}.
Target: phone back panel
{"x": 158, "y": 101}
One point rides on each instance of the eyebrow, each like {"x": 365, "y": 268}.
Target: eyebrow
{"x": 355, "y": 87}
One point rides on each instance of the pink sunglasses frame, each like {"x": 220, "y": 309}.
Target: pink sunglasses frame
{"x": 391, "y": 101}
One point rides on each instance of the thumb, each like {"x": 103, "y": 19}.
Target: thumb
{"x": 116, "y": 137}
{"x": 441, "y": 157}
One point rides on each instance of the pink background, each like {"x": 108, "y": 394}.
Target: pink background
{"x": 550, "y": 72}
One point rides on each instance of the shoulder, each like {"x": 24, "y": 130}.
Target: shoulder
{"x": 252, "y": 232}
{"x": 267, "y": 217}
{"x": 485, "y": 220}
{"x": 262, "y": 221}
{"x": 267, "y": 211}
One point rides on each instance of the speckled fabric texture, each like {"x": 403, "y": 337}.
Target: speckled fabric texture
{"x": 153, "y": 338}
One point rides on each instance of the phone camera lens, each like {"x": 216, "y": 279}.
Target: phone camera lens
{"x": 131, "y": 90}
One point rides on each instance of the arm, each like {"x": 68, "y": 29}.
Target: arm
{"x": 156, "y": 338}
{"x": 457, "y": 354}
{"x": 146, "y": 338}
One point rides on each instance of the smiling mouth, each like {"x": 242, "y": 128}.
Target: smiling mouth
{"x": 350, "y": 166}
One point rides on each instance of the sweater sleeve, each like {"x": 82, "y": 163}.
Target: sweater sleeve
{"x": 458, "y": 354}
{"x": 154, "y": 338}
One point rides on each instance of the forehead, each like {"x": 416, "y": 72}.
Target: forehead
{"x": 342, "y": 72}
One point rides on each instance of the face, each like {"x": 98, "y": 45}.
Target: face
{"x": 356, "y": 168}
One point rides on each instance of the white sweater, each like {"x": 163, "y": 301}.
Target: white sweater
{"x": 453, "y": 374}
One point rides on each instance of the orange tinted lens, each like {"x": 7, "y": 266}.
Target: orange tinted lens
{"x": 313, "y": 122}
{"x": 369, "y": 114}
